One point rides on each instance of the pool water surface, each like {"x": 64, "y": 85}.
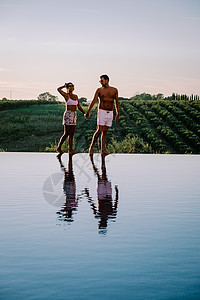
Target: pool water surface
{"x": 126, "y": 227}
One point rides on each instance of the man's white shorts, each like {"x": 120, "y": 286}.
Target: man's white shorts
{"x": 104, "y": 117}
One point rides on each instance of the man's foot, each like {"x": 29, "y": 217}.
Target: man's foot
{"x": 72, "y": 152}
{"x": 105, "y": 153}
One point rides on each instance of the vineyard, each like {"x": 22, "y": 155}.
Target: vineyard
{"x": 149, "y": 126}
{"x": 167, "y": 126}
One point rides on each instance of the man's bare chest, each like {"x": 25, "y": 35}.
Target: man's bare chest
{"x": 109, "y": 95}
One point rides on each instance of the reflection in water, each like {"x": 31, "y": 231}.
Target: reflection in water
{"x": 107, "y": 208}
{"x": 69, "y": 189}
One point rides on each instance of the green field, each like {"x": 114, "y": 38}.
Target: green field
{"x": 149, "y": 126}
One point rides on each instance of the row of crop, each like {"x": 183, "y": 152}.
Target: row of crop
{"x": 186, "y": 116}
{"x": 188, "y": 136}
{"x": 164, "y": 130}
{"x": 38, "y": 121}
{"x": 192, "y": 112}
{"x": 148, "y": 133}
{"x": 13, "y": 104}
{"x": 125, "y": 125}
{"x": 178, "y": 113}
{"x": 194, "y": 104}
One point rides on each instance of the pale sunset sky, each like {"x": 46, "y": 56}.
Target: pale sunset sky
{"x": 150, "y": 46}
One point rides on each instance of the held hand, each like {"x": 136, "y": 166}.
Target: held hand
{"x": 117, "y": 118}
{"x": 87, "y": 115}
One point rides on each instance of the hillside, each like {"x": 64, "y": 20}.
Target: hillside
{"x": 150, "y": 126}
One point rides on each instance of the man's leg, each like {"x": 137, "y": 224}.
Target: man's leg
{"x": 62, "y": 139}
{"x": 94, "y": 139}
{"x": 103, "y": 140}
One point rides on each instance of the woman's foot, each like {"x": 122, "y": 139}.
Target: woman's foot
{"x": 60, "y": 152}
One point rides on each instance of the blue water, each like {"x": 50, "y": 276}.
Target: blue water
{"x": 126, "y": 229}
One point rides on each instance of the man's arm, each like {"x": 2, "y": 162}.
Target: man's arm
{"x": 96, "y": 95}
{"x": 117, "y": 106}
{"x": 116, "y": 199}
{"x": 91, "y": 201}
{"x": 61, "y": 91}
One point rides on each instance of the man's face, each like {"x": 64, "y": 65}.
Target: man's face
{"x": 103, "y": 81}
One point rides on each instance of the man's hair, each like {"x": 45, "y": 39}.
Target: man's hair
{"x": 105, "y": 77}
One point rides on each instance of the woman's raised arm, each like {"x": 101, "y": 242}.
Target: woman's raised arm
{"x": 61, "y": 91}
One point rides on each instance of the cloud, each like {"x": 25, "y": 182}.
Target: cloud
{"x": 4, "y": 83}
{"x": 20, "y": 85}
{"x": 3, "y": 69}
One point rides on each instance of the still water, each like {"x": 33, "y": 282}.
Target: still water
{"x": 124, "y": 228}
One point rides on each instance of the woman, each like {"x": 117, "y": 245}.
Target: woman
{"x": 69, "y": 189}
{"x": 69, "y": 117}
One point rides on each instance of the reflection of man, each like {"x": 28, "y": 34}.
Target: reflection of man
{"x": 107, "y": 95}
{"x": 69, "y": 189}
{"x": 107, "y": 209}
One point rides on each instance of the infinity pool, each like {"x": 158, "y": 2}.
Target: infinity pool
{"x": 124, "y": 228}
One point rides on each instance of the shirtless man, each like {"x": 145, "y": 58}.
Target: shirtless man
{"x": 107, "y": 95}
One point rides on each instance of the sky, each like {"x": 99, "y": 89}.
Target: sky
{"x": 150, "y": 46}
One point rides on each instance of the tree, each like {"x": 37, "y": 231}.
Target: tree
{"x": 160, "y": 96}
{"x": 122, "y": 98}
{"x": 173, "y": 96}
{"x": 47, "y": 97}
{"x": 142, "y": 96}
{"x": 145, "y": 96}
{"x": 82, "y": 100}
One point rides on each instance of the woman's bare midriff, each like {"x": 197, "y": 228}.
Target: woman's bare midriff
{"x": 71, "y": 107}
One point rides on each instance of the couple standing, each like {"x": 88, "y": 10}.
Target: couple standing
{"x": 107, "y": 96}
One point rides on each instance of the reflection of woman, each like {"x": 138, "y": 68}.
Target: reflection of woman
{"x": 107, "y": 208}
{"x": 69, "y": 189}
{"x": 69, "y": 117}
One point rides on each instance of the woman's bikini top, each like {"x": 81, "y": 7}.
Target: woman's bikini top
{"x": 72, "y": 102}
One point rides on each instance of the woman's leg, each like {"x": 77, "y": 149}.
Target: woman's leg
{"x": 62, "y": 139}
{"x": 71, "y": 130}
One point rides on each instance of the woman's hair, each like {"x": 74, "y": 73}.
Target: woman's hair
{"x": 67, "y": 85}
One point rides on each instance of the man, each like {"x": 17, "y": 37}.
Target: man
{"x": 107, "y": 96}
{"x": 107, "y": 206}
